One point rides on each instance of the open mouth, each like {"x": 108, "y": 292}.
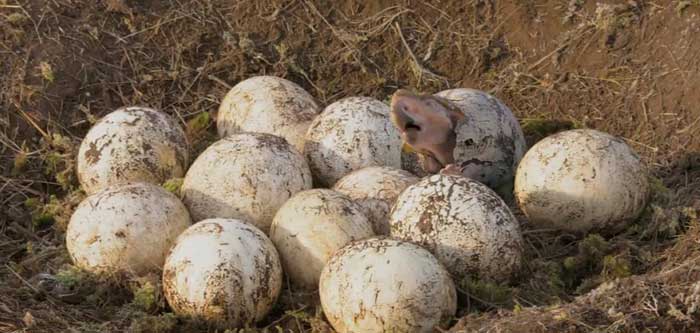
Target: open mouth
{"x": 412, "y": 125}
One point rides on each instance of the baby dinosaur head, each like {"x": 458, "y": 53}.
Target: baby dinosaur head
{"x": 427, "y": 124}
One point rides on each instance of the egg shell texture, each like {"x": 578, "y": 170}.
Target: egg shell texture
{"x": 224, "y": 271}
{"x": 350, "y": 134}
{"x": 386, "y": 285}
{"x": 310, "y": 227}
{"x": 268, "y": 104}
{"x": 582, "y": 180}
{"x": 463, "y": 223}
{"x": 132, "y": 144}
{"x": 245, "y": 176}
{"x": 375, "y": 189}
{"x": 490, "y": 142}
{"x": 125, "y": 228}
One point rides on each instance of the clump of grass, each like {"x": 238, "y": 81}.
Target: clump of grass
{"x": 487, "y": 292}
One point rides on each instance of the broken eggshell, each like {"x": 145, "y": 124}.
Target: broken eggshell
{"x": 489, "y": 142}
{"x": 581, "y": 180}
{"x": 125, "y": 228}
{"x": 132, "y": 144}
{"x": 350, "y": 134}
{"x": 223, "y": 271}
{"x": 268, "y": 104}
{"x": 386, "y": 285}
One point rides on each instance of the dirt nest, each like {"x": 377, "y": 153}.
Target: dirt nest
{"x": 629, "y": 68}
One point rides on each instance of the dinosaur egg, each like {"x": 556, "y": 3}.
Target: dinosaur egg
{"x": 581, "y": 180}
{"x": 465, "y": 224}
{"x": 386, "y": 285}
{"x": 350, "y": 134}
{"x": 267, "y": 104}
{"x": 222, "y": 271}
{"x": 132, "y": 144}
{"x": 125, "y": 228}
{"x": 245, "y": 176}
{"x": 310, "y": 227}
{"x": 375, "y": 189}
{"x": 489, "y": 142}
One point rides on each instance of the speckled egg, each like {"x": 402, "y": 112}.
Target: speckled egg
{"x": 125, "y": 228}
{"x": 581, "y": 180}
{"x": 310, "y": 227}
{"x": 350, "y": 134}
{"x": 132, "y": 144}
{"x": 223, "y": 271}
{"x": 375, "y": 189}
{"x": 465, "y": 224}
{"x": 490, "y": 142}
{"x": 245, "y": 176}
{"x": 386, "y": 285}
{"x": 268, "y": 104}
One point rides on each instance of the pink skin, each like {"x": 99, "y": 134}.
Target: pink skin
{"x": 426, "y": 123}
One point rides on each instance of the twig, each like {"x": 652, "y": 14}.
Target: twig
{"x": 417, "y": 65}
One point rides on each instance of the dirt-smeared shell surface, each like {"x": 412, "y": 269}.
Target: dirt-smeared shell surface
{"x": 245, "y": 176}
{"x": 310, "y": 227}
{"x": 375, "y": 189}
{"x": 581, "y": 180}
{"x": 268, "y": 104}
{"x": 386, "y": 285}
{"x": 223, "y": 271}
{"x": 490, "y": 142}
{"x": 125, "y": 228}
{"x": 350, "y": 134}
{"x": 132, "y": 144}
{"x": 465, "y": 224}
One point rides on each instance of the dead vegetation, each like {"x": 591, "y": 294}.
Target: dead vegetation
{"x": 626, "y": 67}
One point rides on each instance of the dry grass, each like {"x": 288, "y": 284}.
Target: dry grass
{"x": 628, "y": 69}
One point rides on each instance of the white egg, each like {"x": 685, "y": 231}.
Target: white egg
{"x": 125, "y": 228}
{"x": 386, "y": 285}
{"x": 310, "y": 227}
{"x": 267, "y": 104}
{"x": 581, "y": 180}
{"x": 223, "y": 271}
{"x": 375, "y": 189}
{"x": 465, "y": 224}
{"x": 351, "y": 134}
{"x": 132, "y": 144}
{"x": 245, "y": 176}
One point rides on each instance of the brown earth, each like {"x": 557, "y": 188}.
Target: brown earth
{"x": 626, "y": 67}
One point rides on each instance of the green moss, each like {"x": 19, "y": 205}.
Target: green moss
{"x": 487, "y": 291}
{"x": 198, "y": 124}
{"x": 173, "y": 185}
{"x": 145, "y": 297}
{"x": 145, "y": 323}
{"x": 616, "y": 267}
{"x": 72, "y": 277}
